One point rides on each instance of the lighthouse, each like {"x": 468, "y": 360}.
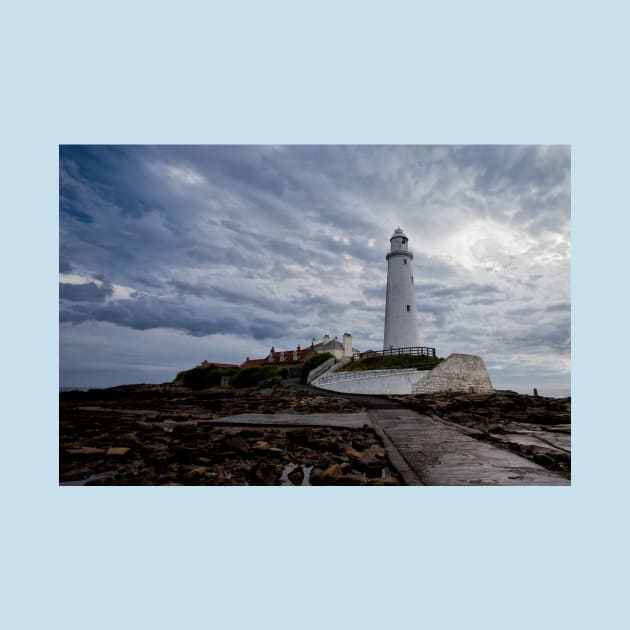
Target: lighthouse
{"x": 401, "y": 319}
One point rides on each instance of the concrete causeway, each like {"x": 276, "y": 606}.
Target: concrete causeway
{"x": 430, "y": 452}
{"x": 356, "y": 420}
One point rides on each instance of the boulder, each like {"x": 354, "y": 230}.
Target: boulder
{"x": 351, "y": 479}
{"x": 331, "y": 474}
{"x": 237, "y": 444}
{"x": 86, "y": 450}
{"x": 301, "y": 436}
{"x": 296, "y": 476}
{"x": 266, "y": 474}
{"x": 117, "y": 450}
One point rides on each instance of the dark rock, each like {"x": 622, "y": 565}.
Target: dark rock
{"x": 353, "y": 455}
{"x": 496, "y": 428}
{"x": 390, "y": 480}
{"x": 332, "y": 474}
{"x": 117, "y": 450}
{"x": 237, "y": 444}
{"x": 301, "y": 436}
{"x": 322, "y": 444}
{"x": 351, "y": 479}
{"x": 316, "y": 476}
{"x": 192, "y": 450}
{"x": 296, "y": 476}
{"x": 266, "y": 474}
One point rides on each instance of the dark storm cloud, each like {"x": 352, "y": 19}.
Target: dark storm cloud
{"x": 375, "y": 293}
{"x": 144, "y": 313}
{"x": 482, "y": 301}
{"x": 64, "y": 266}
{"x": 88, "y": 292}
{"x": 500, "y": 167}
{"x": 471, "y": 289}
{"x": 559, "y": 307}
{"x": 434, "y": 267}
{"x": 554, "y": 335}
{"x": 320, "y": 305}
{"x": 446, "y": 294}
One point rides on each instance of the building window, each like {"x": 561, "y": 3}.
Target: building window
{"x": 408, "y": 307}
{"x": 404, "y": 261}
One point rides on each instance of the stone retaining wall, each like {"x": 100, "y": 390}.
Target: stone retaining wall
{"x": 376, "y": 382}
{"x": 457, "y": 373}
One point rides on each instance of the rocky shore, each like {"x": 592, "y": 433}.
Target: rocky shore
{"x": 169, "y": 435}
{"x": 165, "y": 435}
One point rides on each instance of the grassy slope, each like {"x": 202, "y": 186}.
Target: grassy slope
{"x": 391, "y": 363}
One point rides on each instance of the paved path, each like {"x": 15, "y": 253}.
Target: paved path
{"x": 432, "y": 453}
{"x": 339, "y": 420}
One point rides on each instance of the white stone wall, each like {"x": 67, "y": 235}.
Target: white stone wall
{"x": 457, "y": 373}
{"x": 375, "y": 382}
{"x": 347, "y": 345}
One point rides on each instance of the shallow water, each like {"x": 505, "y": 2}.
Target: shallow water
{"x": 81, "y": 482}
{"x": 284, "y": 477}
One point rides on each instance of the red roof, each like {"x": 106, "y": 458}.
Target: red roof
{"x": 276, "y": 358}
{"x": 219, "y": 365}
{"x": 253, "y": 363}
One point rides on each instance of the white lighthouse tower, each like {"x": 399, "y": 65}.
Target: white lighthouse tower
{"x": 401, "y": 319}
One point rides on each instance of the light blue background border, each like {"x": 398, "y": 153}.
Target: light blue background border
{"x": 326, "y": 72}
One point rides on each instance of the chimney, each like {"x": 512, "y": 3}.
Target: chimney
{"x": 347, "y": 345}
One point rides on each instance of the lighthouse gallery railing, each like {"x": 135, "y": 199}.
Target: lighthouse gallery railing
{"x": 418, "y": 351}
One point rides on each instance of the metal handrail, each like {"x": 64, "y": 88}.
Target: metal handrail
{"x": 320, "y": 369}
{"x": 410, "y": 350}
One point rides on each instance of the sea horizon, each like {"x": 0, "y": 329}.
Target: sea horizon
{"x": 549, "y": 392}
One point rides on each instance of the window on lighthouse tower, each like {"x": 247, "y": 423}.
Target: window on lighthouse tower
{"x": 408, "y": 307}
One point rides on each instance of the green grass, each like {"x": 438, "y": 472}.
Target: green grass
{"x": 203, "y": 377}
{"x": 392, "y": 363}
{"x": 206, "y": 377}
{"x": 261, "y": 376}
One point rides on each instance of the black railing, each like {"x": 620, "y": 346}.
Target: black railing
{"x": 415, "y": 351}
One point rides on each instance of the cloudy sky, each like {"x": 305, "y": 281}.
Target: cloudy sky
{"x": 171, "y": 255}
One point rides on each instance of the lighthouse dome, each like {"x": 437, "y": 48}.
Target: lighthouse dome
{"x": 399, "y": 240}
